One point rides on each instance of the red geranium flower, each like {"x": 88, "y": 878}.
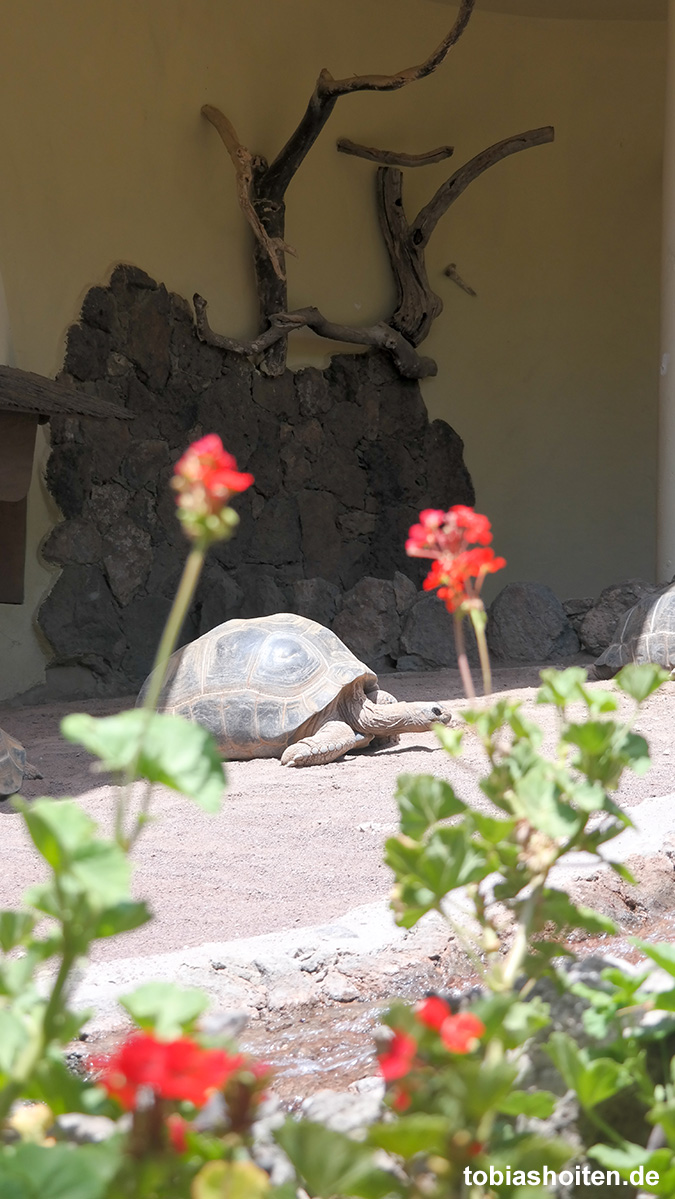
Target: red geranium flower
{"x": 458, "y": 571}
{"x": 461, "y": 1032}
{"x": 172, "y": 1069}
{"x": 397, "y": 1060}
{"x": 205, "y": 479}
{"x": 433, "y": 1012}
{"x": 207, "y": 463}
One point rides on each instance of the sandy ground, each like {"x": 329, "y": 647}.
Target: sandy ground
{"x": 290, "y": 847}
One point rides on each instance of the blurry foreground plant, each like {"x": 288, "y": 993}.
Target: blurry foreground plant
{"x": 182, "y": 1101}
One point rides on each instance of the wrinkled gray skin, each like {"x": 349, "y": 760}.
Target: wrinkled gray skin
{"x": 13, "y": 766}
{"x": 285, "y": 687}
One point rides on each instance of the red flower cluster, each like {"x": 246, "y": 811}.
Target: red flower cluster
{"x": 459, "y": 1033}
{"x": 205, "y": 479}
{"x": 399, "y": 1057}
{"x": 172, "y": 1069}
{"x": 446, "y": 538}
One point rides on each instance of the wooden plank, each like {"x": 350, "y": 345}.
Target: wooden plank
{"x": 23, "y": 391}
{"x": 12, "y": 551}
{"x": 17, "y": 445}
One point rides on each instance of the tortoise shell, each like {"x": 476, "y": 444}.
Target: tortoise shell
{"x": 254, "y": 683}
{"x": 646, "y": 633}
{"x": 12, "y": 764}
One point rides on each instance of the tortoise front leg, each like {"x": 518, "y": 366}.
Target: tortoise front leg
{"x": 333, "y": 739}
{"x": 378, "y": 696}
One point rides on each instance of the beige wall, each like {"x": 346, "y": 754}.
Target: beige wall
{"x": 549, "y": 375}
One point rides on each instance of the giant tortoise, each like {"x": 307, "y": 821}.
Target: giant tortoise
{"x": 285, "y": 687}
{"x": 646, "y": 633}
{"x": 13, "y": 766}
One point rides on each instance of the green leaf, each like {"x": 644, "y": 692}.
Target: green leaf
{"x": 640, "y": 681}
{"x": 661, "y": 1001}
{"x": 14, "y": 1038}
{"x": 423, "y": 800}
{"x": 536, "y": 798}
{"x": 418, "y": 1133}
{"x": 102, "y": 872}
{"x": 491, "y": 829}
{"x": 561, "y": 687}
{"x": 450, "y": 739}
{"x": 663, "y": 953}
{"x": 523, "y": 1020}
{"x": 122, "y": 918}
{"x": 624, "y": 873}
{"x": 332, "y": 1164}
{"x": 630, "y": 1157}
{"x": 12, "y": 1187}
{"x": 166, "y": 749}
{"x": 166, "y": 1009}
{"x": 15, "y": 929}
{"x": 538, "y": 1104}
{"x": 427, "y": 873}
{"x": 58, "y": 828}
{"x": 63, "y": 1171}
{"x": 54, "y": 1084}
{"x": 600, "y": 701}
{"x": 593, "y": 738}
{"x": 558, "y": 907}
{"x": 593, "y": 1079}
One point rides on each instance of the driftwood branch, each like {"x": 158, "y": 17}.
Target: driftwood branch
{"x": 244, "y": 163}
{"x": 410, "y": 364}
{"x": 417, "y": 305}
{"x": 426, "y": 220}
{"x": 392, "y": 158}
{"x": 261, "y": 188}
{"x": 328, "y": 90}
{"x": 452, "y": 273}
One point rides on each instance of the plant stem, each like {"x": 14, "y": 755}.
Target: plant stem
{"x": 478, "y": 621}
{"x": 172, "y": 628}
{"x": 462, "y": 660}
{"x": 518, "y": 950}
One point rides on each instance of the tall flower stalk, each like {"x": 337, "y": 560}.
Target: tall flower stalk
{"x": 458, "y": 544}
{"x": 205, "y": 479}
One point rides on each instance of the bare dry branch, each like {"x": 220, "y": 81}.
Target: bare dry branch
{"x": 428, "y": 217}
{"x": 417, "y": 305}
{"x": 328, "y": 90}
{"x": 243, "y": 162}
{"x": 410, "y": 364}
{"x": 452, "y": 273}
{"x": 391, "y": 83}
{"x": 392, "y": 158}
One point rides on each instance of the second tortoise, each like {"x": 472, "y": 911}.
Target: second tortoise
{"x": 285, "y": 687}
{"x": 646, "y": 633}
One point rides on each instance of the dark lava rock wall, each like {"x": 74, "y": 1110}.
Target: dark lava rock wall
{"x": 343, "y": 461}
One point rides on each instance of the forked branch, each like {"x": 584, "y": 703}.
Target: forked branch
{"x": 244, "y": 163}
{"x": 328, "y": 90}
{"x": 417, "y": 305}
{"x": 410, "y": 364}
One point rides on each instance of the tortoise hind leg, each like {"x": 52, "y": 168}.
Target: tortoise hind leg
{"x": 333, "y": 739}
{"x": 32, "y": 772}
